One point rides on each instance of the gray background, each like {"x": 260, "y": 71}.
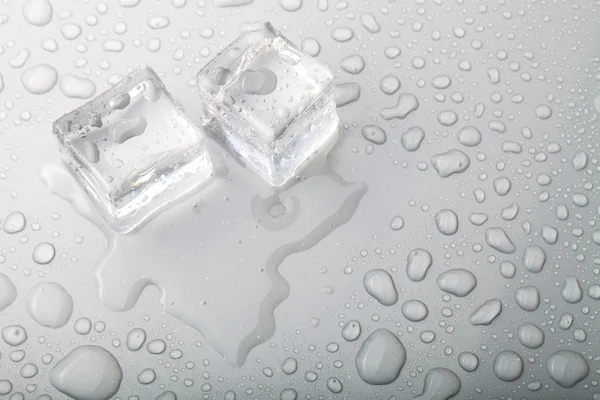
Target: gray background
{"x": 555, "y": 43}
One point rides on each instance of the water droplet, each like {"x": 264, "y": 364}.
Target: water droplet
{"x": 534, "y": 258}
{"x": 82, "y": 326}
{"x": 565, "y": 321}
{"x": 37, "y": 12}
{"x": 396, "y": 223}
{"x": 50, "y": 45}
{"x": 290, "y": 5}
{"x": 289, "y": 366}
{"x": 168, "y": 395}
{"x": 486, "y": 313}
{"x": 507, "y": 269}
{"x": 469, "y": 136}
{"x": 369, "y": 22}
{"x": 497, "y": 239}
{"x": 530, "y": 335}
{"x": 458, "y": 282}
{"x": 288, "y": 394}
{"x": 414, "y": 310}
{"x": 156, "y": 346}
{"x": 14, "y": 335}
{"x": 8, "y": 291}
{"x": 14, "y": 223}
{"x": 389, "y": 84}
{"x": 5, "y": 386}
{"x": 80, "y": 88}
{"x": 427, "y": 336}
{"x": 502, "y": 186}
{"x": 549, "y": 234}
{"x": 418, "y": 262}
{"x": 571, "y": 291}
{"x": 310, "y": 46}
{"x": 39, "y": 79}
{"x": 593, "y": 292}
{"x": 49, "y": 304}
{"x": 440, "y": 384}
{"x": 451, "y": 162}
{"x": 380, "y": 358}
{"x": 579, "y": 161}
{"x": 334, "y": 385}
{"x": 468, "y": 361}
{"x": 374, "y": 134}
{"x": 441, "y": 82}
{"x": 528, "y": 298}
{"x": 87, "y": 372}
{"x": 158, "y": 22}
{"x": 543, "y": 111}
{"x": 353, "y": 64}
{"x": 379, "y": 284}
{"x": 43, "y": 253}
{"x": 342, "y": 34}
{"x": 147, "y": 376}
{"x": 446, "y": 221}
{"x": 508, "y": 366}
{"x": 29, "y": 371}
{"x": 129, "y": 3}
{"x": 447, "y": 117}
{"x": 17, "y": 355}
{"x": 567, "y": 367}
{"x": 70, "y": 31}
{"x": 19, "y": 59}
{"x": 406, "y": 104}
{"x": 412, "y": 138}
{"x": 346, "y": 93}
{"x": 351, "y": 330}
{"x": 135, "y": 339}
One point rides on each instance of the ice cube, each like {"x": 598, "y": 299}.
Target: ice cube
{"x": 133, "y": 150}
{"x": 268, "y": 102}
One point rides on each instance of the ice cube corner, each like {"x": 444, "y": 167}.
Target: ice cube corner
{"x": 268, "y": 102}
{"x": 133, "y": 150}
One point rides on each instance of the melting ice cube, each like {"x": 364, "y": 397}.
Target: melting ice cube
{"x": 133, "y": 150}
{"x": 268, "y": 102}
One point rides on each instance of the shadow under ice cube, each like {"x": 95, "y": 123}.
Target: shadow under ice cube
{"x": 133, "y": 150}
{"x": 269, "y": 102}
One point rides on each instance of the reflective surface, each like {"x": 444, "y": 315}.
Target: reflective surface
{"x": 447, "y": 246}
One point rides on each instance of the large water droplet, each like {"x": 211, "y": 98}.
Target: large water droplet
{"x": 14, "y": 335}
{"x": 49, "y": 304}
{"x": 37, "y": 12}
{"x": 14, "y": 223}
{"x": 458, "y": 282}
{"x": 39, "y": 79}
{"x": 486, "y": 313}
{"x": 380, "y": 358}
{"x": 8, "y": 291}
{"x": 567, "y": 367}
{"x": 379, "y": 284}
{"x": 418, "y": 262}
{"x": 43, "y": 253}
{"x": 440, "y": 384}
{"x": 508, "y": 366}
{"x": 87, "y": 372}
{"x": 446, "y": 221}
{"x": 451, "y": 162}
{"x": 530, "y": 335}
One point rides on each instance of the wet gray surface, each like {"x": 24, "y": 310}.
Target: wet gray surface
{"x": 447, "y": 246}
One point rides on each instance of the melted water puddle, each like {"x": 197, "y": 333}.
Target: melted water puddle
{"x": 215, "y": 256}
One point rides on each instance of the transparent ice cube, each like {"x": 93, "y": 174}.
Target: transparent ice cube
{"x": 269, "y": 102}
{"x": 133, "y": 150}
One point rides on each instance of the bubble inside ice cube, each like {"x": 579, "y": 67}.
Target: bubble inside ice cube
{"x": 268, "y": 102}
{"x": 133, "y": 150}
